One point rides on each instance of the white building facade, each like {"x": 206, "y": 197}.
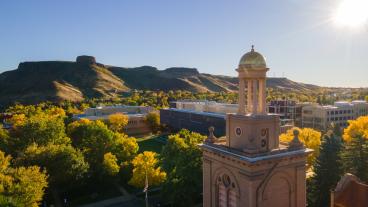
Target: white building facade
{"x": 206, "y": 106}
{"x": 320, "y": 117}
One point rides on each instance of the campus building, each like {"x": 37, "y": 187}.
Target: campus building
{"x": 289, "y": 111}
{"x": 197, "y": 116}
{"x": 320, "y": 117}
{"x": 250, "y": 168}
{"x": 205, "y": 106}
{"x": 136, "y": 115}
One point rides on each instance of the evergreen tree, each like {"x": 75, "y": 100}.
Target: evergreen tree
{"x": 355, "y": 151}
{"x": 327, "y": 171}
{"x": 354, "y": 157}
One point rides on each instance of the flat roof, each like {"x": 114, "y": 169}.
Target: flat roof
{"x": 84, "y": 116}
{"x": 203, "y": 102}
{"x": 277, "y": 153}
{"x": 218, "y": 115}
{"x": 118, "y": 106}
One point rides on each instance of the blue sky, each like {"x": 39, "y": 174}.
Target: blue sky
{"x": 210, "y": 35}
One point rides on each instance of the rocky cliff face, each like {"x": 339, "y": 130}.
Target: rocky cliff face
{"x": 86, "y": 60}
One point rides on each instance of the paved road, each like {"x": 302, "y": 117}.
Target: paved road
{"x": 131, "y": 203}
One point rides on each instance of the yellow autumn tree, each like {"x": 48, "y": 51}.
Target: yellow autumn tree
{"x": 310, "y": 137}
{"x": 117, "y": 122}
{"x": 17, "y": 119}
{"x": 75, "y": 124}
{"x": 21, "y": 186}
{"x": 56, "y": 111}
{"x": 356, "y": 128}
{"x": 145, "y": 164}
{"x": 110, "y": 164}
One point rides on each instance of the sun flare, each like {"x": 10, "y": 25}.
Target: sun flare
{"x": 352, "y": 13}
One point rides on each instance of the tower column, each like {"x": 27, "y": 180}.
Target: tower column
{"x": 249, "y": 96}
{"x": 241, "y": 107}
{"x": 254, "y": 95}
{"x": 262, "y": 96}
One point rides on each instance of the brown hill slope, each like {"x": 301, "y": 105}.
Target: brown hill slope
{"x": 150, "y": 78}
{"x": 33, "y": 82}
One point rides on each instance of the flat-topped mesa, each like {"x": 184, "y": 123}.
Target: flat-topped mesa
{"x": 179, "y": 72}
{"x": 86, "y": 60}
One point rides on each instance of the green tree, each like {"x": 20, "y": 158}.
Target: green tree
{"x": 40, "y": 129}
{"x": 123, "y": 147}
{"x": 327, "y": 171}
{"x": 182, "y": 161}
{"x": 146, "y": 164}
{"x": 22, "y": 186}
{"x": 95, "y": 139}
{"x": 63, "y": 163}
{"x": 153, "y": 120}
{"x": 4, "y": 139}
{"x": 355, "y": 152}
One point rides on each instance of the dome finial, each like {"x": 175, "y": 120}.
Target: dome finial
{"x": 253, "y": 59}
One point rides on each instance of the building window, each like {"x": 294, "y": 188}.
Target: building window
{"x": 227, "y": 194}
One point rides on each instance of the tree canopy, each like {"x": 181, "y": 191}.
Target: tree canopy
{"x": 310, "y": 137}
{"x": 41, "y": 129}
{"x": 22, "y": 186}
{"x": 117, "y": 122}
{"x": 53, "y": 158}
{"x": 182, "y": 161}
{"x": 355, "y": 152}
{"x": 146, "y": 164}
{"x": 327, "y": 170}
{"x": 95, "y": 140}
{"x": 153, "y": 120}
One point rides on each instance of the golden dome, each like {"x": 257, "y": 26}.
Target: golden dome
{"x": 253, "y": 60}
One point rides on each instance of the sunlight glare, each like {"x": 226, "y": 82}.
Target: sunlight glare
{"x": 352, "y": 13}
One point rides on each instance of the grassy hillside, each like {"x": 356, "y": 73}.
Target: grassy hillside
{"x": 55, "y": 80}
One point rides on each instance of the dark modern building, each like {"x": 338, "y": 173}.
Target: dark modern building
{"x": 198, "y": 116}
{"x": 195, "y": 121}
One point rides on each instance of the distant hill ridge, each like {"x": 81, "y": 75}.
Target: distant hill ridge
{"x": 33, "y": 82}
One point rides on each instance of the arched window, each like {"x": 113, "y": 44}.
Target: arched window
{"x": 226, "y": 192}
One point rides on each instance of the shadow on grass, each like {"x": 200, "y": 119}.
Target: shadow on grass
{"x": 90, "y": 192}
{"x": 152, "y": 143}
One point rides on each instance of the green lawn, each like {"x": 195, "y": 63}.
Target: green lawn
{"x": 151, "y": 143}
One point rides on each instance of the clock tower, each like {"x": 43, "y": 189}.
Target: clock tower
{"x": 251, "y": 168}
